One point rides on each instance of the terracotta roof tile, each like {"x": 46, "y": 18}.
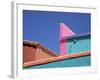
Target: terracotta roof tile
{"x": 36, "y": 44}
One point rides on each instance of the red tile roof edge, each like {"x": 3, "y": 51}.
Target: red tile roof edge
{"x": 58, "y": 58}
{"x": 37, "y": 44}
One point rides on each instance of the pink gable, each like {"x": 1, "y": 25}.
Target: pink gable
{"x": 64, "y": 32}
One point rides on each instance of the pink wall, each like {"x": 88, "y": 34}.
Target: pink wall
{"x": 64, "y": 32}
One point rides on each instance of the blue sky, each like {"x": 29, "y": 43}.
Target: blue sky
{"x": 44, "y": 26}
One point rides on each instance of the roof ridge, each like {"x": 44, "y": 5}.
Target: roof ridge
{"x": 76, "y": 36}
{"x": 39, "y": 45}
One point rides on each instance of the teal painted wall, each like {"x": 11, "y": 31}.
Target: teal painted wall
{"x": 73, "y": 45}
{"x": 78, "y": 44}
{"x": 75, "y": 62}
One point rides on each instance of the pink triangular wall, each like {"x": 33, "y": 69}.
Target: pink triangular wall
{"x": 64, "y": 32}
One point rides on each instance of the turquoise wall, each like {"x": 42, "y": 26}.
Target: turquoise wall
{"x": 75, "y": 62}
{"x": 78, "y": 44}
{"x": 73, "y": 45}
